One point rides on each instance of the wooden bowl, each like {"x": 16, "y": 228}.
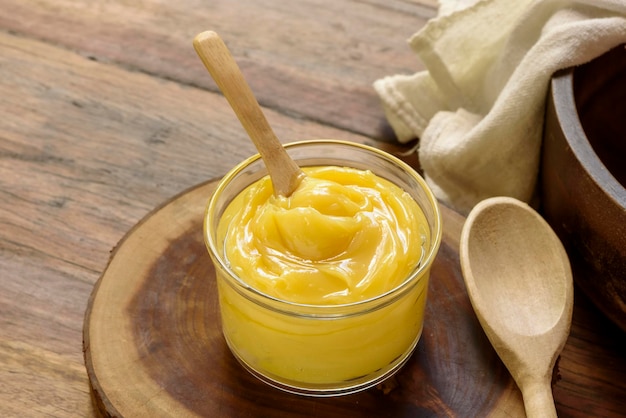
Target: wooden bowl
{"x": 583, "y": 176}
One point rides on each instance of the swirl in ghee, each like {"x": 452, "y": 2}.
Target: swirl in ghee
{"x": 343, "y": 236}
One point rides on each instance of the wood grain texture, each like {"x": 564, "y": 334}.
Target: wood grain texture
{"x": 102, "y": 118}
{"x": 314, "y": 59}
{"x": 153, "y": 344}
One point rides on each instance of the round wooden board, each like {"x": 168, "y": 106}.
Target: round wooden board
{"x": 153, "y": 344}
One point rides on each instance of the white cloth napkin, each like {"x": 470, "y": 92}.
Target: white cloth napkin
{"x": 478, "y": 108}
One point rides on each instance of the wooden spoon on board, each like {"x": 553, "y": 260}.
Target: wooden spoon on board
{"x": 284, "y": 172}
{"x": 519, "y": 281}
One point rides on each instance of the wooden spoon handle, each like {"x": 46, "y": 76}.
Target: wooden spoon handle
{"x": 538, "y": 398}
{"x": 284, "y": 172}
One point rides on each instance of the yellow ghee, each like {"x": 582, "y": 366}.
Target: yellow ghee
{"x": 337, "y": 245}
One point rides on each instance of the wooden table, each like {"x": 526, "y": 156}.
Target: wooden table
{"x": 106, "y": 112}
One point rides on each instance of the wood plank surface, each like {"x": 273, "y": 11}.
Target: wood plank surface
{"x": 314, "y": 59}
{"x": 105, "y": 113}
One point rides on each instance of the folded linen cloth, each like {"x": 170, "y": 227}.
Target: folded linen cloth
{"x": 478, "y": 108}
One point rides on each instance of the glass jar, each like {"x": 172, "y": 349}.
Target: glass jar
{"x": 323, "y": 350}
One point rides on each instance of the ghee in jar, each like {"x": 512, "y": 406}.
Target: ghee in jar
{"x": 331, "y": 251}
{"x": 343, "y": 236}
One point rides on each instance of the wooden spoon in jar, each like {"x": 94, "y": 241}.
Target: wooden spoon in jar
{"x": 519, "y": 281}
{"x": 283, "y": 170}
